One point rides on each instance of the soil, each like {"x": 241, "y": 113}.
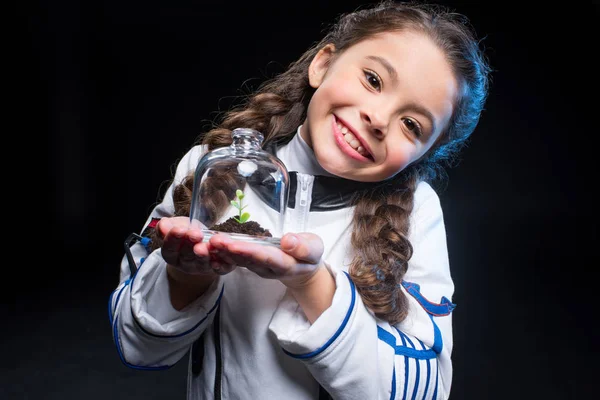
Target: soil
{"x": 252, "y": 228}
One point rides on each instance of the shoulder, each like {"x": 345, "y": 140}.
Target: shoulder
{"x": 192, "y": 156}
{"x": 429, "y": 264}
{"x": 189, "y": 161}
{"x": 426, "y": 202}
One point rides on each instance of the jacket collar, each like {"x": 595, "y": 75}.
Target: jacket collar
{"x": 329, "y": 193}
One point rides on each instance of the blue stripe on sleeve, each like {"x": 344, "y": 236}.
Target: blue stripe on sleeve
{"x": 110, "y": 307}
{"x": 120, "y": 352}
{"x": 428, "y": 374}
{"x": 437, "y": 375}
{"x": 189, "y": 330}
{"x": 181, "y": 334}
{"x": 409, "y": 352}
{"x": 418, "y": 369}
{"x": 116, "y": 332}
{"x": 393, "y": 395}
{"x": 388, "y": 338}
{"x": 405, "y": 371}
{"x": 438, "y": 343}
{"x": 336, "y": 334}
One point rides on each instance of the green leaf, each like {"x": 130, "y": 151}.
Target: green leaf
{"x": 239, "y": 194}
{"x": 245, "y": 216}
{"x": 235, "y": 204}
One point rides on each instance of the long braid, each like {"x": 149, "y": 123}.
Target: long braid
{"x": 217, "y": 190}
{"x": 272, "y": 114}
{"x": 383, "y": 249}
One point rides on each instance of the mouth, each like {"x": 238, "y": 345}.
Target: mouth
{"x": 350, "y": 141}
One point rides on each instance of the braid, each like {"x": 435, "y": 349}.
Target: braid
{"x": 382, "y": 248}
{"x": 217, "y": 189}
{"x": 276, "y": 110}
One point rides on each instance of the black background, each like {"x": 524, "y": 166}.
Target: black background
{"x": 109, "y": 95}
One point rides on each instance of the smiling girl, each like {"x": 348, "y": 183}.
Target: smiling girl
{"x": 356, "y": 303}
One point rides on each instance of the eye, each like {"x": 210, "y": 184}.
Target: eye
{"x": 373, "y": 80}
{"x": 413, "y": 126}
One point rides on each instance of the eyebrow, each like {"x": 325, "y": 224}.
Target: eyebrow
{"x": 386, "y": 64}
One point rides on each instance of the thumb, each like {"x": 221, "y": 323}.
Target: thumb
{"x": 306, "y": 247}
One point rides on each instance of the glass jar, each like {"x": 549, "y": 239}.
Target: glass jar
{"x": 242, "y": 190}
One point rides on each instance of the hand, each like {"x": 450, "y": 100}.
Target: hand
{"x": 294, "y": 263}
{"x": 184, "y": 250}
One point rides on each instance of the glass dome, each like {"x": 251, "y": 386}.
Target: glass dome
{"x": 241, "y": 189}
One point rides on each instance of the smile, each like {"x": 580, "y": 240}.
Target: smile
{"x": 349, "y": 143}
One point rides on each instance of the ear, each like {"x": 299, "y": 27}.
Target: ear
{"x": 319, "y": 65}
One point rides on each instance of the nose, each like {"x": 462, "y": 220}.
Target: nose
{"x": 375, "y": 121}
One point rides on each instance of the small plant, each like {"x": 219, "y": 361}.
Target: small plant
{"x": 240, "y": 223}
{"x": 242, "y": 216}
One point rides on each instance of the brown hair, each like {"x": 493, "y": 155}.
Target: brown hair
{"x": 381, "y": 216}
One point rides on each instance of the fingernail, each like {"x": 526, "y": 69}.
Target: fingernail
{"x": 291, "y": 242}
{"x": 194, "y": 237}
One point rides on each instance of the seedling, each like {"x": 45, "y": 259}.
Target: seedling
{"x": 242, "y": 216}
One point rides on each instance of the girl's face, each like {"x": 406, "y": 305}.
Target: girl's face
{"x": 379, "y": 105}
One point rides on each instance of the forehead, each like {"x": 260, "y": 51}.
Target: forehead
{"x": 409, "y": 51}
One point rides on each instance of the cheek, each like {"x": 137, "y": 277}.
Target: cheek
{"x": 397, "y": 160}
{"x": 341, "y": 90}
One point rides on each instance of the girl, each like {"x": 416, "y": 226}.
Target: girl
{"x": 355, "y": 304}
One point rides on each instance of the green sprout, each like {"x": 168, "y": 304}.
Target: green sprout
{"x": 242, "y": 216}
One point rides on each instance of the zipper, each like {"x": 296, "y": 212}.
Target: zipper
{"x": 303, "y": 191}
{"x": 304, "y": 206}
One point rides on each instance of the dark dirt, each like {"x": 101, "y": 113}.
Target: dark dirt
{"x": 248, "y": 228}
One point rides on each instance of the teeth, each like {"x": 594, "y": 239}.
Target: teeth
{"x": 351, "y": 140}
{"x": 342, "y": 128}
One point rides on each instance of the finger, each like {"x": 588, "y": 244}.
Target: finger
{"x": 219, "y": 244}
{"x": 266, "y": 273}
{"x": 171, "y": 245}
{"x": 266, "y": 261}
{"x": 187, "y": 253}
{"x": 306, "y": 247}
{"x": 194, "y": 256}
{"x": 219, "y": 262}
{"x": 163, "y": 227}
{"x": 222, "y": 268}
{"x": 220, "y": 241}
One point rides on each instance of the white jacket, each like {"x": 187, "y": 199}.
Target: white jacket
{"x": 252, "y": 341}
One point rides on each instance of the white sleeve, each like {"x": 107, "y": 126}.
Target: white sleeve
{"x": 355, "y": 355}
{"x": 147, "y": 331}
{"x": 429, "y": 283}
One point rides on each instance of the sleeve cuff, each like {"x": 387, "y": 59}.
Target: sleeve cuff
{"x": 151, "y": 304}
{"x": 298, "y": 337}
